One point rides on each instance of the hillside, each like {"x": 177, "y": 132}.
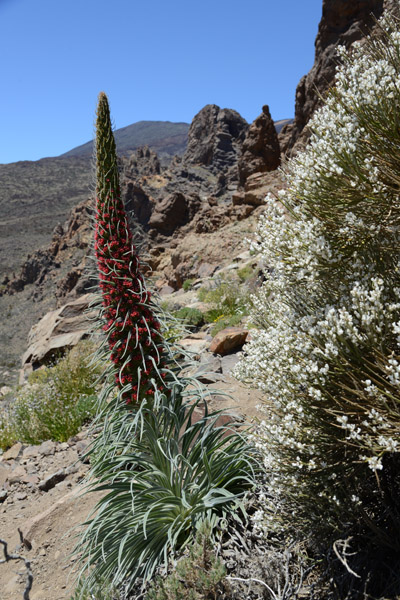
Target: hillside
{"x": 37, "y": 195}
{"x": 34, "y": 197}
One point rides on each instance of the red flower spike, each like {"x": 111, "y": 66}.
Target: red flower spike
{"x": 127, "y": 308}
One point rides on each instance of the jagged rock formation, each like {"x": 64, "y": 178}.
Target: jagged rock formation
{"x": 63, "y": 261}
{"x": 174, "y": 205}
{"x": 215, "y": 138}
{"x": 142, "y": 162}
{"x": 260, "y": 149}
{"x": 256, "y": 187}
{"x": 342, "y": 23}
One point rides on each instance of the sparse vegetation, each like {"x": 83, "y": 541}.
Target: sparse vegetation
{"x": 187, "y": 284}
{"x": 57, "y": 401}
{"x": 192, "y": 317}
{"x": 200, "y": 575}
{"x": 245, "y": 273}
{"x": 228, "y": 301}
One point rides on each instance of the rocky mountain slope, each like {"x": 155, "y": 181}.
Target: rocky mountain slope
{"x": 194, "y": 214}
{"x": 183, "y": 208}
{"x": 34, "y": 197}
{"x": 37, "y": 195}
{"x": 189, "y": 219}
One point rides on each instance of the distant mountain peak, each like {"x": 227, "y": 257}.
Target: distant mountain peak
{"x": 164, "y": 137}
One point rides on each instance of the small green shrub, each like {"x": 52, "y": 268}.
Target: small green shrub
{"x": 198, "y": 576}
{"x": 7, "y": 432}
{"x": 55, "y": 404}
{"x": 192, "y": 317}
{"x": 101, "y": 590}
{"x": 224, "y": 321}
{"x": 229, "y": 303}
{"x": 188, "y": 284}
{"x": 245, "y": 273}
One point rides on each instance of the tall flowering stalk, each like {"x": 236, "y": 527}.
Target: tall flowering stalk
{"x": 132, "y": 328}
{"x": 163, "y": 463}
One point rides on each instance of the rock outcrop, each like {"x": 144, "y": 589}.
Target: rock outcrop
{"x": 142, "y": 162}
{"x": 65, "y": 259}
{"x": 260, "y": 149}
{"x": 173, "y": 212}
{"x": 58, "y": 330}
{"x": 342, "y": 23}
{"x": 215, "y": 138}
{"x": 188, "y": 198}
{"x": 256, "y": 187}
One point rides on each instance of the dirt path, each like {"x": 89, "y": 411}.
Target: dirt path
{"x": 41, "y": 494}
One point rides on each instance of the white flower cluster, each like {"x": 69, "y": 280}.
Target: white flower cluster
{"x": 326, "y": 351}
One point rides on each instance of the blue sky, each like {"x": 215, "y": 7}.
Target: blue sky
{"x": 157, "y": 60}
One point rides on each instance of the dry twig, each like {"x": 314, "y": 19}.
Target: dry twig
{"x": 29, "y": 575}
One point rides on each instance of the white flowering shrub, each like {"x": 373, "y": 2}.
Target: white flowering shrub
{"x": 327, "y": 353}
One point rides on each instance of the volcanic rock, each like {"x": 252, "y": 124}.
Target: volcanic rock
{"x": 142, "y": 162}
{"x": 12, "y": 452}
{"x": 58, "y": 329}
{"x": 46, "y": 484}
{"x": 260, "y": 150}
{"x": 257, "y": 187}
{"x": 228, "y": 339}
{"x": 215, "y": 138}
{"x": 138, "y": 201}
{"x": 172, "y": 212}
{"x": 342, "y": 23}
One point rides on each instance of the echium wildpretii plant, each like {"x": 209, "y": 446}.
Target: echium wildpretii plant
{"x": 132, "y": 328}
{"x": 327, "y": 351}
{"x": 161, "y": 459}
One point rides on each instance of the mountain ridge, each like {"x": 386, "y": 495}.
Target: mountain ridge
{"x": 164, "y": 137}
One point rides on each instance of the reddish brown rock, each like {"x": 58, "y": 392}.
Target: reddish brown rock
{"x": 343, "y": 23}
{"x": 170, "y": 213}
{"x": 256, "y": 188}
{"x": 228, "y": 339}
{"x": 260, "y": 150}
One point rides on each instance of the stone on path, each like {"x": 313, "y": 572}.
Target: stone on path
{"x": 228, "y": 339}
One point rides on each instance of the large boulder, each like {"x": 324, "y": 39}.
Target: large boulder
{"x": 58, "y": 330}
{"x": 228, "y": 340}
{"x": 260, "y": 150}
